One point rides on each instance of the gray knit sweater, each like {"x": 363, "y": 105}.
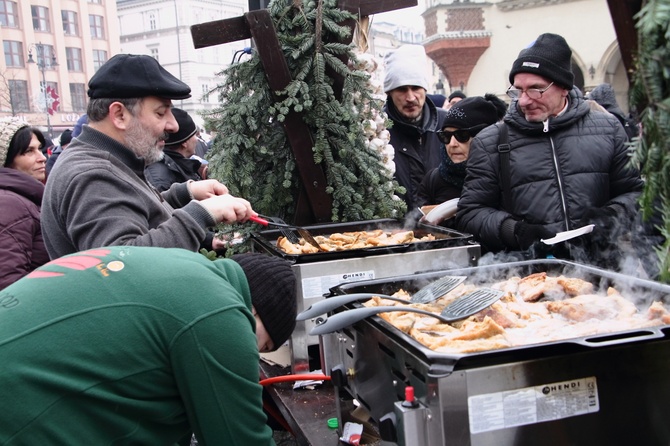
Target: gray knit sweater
{"x": 97, "y": 196}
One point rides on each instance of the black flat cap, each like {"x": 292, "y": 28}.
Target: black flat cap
{"x": 135, "y": 76}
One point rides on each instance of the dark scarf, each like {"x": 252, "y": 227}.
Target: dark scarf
{"x": 452, "y": 173}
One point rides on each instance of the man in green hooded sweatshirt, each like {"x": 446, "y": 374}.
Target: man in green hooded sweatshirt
{"x": 141, "y": 345}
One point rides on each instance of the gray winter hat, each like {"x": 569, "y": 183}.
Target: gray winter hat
{"x": 408, "y": 65}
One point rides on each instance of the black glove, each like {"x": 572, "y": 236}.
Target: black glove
{"x": 605, "y": 218}
{"x": 601, "y": 245}
{"x": 527, "y": 234}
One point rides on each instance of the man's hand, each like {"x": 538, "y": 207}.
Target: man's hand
{"x": 227, "y": 208}
{"x": 204, "y": 189}
{"x": 527, "y": 234}
{"x": 605, "y": 218}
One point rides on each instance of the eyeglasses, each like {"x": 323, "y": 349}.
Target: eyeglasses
{"x": 461, "y": 135}
{"x": 532, "y": 93}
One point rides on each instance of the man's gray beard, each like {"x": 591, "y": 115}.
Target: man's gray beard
{"x": 148, "y": 160}
{"x": 142, "y": 143}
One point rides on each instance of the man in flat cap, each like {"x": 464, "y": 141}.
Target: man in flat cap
{"x": 415, "y": 119}
{"x": 566, "y": 165}
{"x": 97, "y": 195}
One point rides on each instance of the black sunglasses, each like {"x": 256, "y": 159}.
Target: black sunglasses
{"x": 461, "y": 135}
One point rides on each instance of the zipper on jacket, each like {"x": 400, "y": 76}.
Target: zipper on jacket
{"x": 560, "y": 182}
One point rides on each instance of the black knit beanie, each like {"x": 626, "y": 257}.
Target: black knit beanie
{"x": 272, "y": 284}
{"x": 550, "y": 57}
{"x": 474, "y": 111}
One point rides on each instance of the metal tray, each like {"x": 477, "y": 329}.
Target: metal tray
{"x": 444, "y": 363}
{"x": 267, "y": 240}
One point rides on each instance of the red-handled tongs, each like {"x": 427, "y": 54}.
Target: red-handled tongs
{"x": 304, "y": 233}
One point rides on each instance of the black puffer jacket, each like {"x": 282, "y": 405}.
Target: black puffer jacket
{"x": 417, "y": 149}
{"x": 580, "y": 162}
{"x": 173, "y": 168}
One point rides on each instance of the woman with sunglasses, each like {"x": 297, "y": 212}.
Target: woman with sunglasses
{"x": 462, "y": 122}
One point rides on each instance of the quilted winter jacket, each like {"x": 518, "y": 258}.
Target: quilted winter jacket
{"x": 417, "y": 149}
{"x": 21, "y": 244}
{"x": 164, "y": 173}
{"x": 579, "y": 162}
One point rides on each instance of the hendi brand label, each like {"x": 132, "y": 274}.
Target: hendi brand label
{"x": 318, "y": 286}
{"x": 530, "y": 405}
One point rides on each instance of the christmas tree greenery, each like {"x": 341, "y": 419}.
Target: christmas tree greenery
{"x": 251, "y": 153}
{"x": 650, "y": 93}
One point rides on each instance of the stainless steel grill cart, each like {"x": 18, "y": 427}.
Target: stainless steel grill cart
{"x": 318, "y": 272}
{"x": 598, "y": 390}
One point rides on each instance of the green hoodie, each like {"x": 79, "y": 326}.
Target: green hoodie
{"x": 130, "y": 345}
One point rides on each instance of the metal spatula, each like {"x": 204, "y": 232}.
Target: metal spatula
{"x": 480, "y": 299}
{"x": 470, "y": 304}
{"x": 427, "y": 294}
{"x": 304, "y": 233}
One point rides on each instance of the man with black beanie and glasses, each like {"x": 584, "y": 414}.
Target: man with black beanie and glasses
{"x": 566, "y": 166}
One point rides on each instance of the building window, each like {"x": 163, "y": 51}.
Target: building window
{"x": 41, "y": 18}
{"x": 97, "y": 25}
{"x": 153, "y": 52}
{"x": 46, "y": 56}
{"x": 152, "y": 21}
{"x": 9, "y": 16}
{"x": 70, "y": 23}
{"x": 205, "y": 93}
{"x": 78, "y": 95}
{"x": 97, "y": 2}
{"x": 74, "y": 59}
{"x": 18, "y": 95}
{"x": 13, "y": 53}
{"x": 99, "y": 58}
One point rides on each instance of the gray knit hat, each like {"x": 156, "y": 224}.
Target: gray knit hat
{"x": 8, "y": 128}
{"x": 273, "y": 289}
{"x": 550, "y": 57}
{"x": 408, "y": 65}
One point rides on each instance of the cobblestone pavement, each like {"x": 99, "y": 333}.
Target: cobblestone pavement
{"x": 283, "y": 438}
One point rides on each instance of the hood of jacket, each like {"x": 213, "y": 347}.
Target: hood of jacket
{"x": 21, "y": 184}
{"x": 604, "y": 95}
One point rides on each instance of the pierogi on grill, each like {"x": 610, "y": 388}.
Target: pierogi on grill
{"x": 352, "y": 240}
{"x": 534, "y": 309}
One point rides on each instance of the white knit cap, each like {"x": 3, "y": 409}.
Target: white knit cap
{"x": 8, "y": 128}
{"x": 408, "y": 65}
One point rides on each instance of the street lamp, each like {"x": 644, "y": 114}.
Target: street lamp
{"x": 42, "y": 65}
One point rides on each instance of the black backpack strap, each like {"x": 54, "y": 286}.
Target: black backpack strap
{"x": 505, "y": 174}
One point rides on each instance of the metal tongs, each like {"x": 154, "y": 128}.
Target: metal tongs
{"x": 304, "y": 233}
{"x": 461, "y": 308}
{"x": 427, "y": 294}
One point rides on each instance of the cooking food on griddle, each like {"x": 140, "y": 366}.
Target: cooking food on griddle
{"x": 535, "y": 309}
{"x": 352, "y": 240}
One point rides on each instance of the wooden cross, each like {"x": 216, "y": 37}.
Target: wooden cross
{"x": 314, "y": 204}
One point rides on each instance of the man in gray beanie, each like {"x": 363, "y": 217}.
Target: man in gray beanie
{"x": 97, "y": 194}
{"x": 415, "y": 119}
{"x": 563, "y": 166}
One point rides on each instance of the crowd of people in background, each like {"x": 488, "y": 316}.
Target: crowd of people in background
{"x": 131, "y": 177}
